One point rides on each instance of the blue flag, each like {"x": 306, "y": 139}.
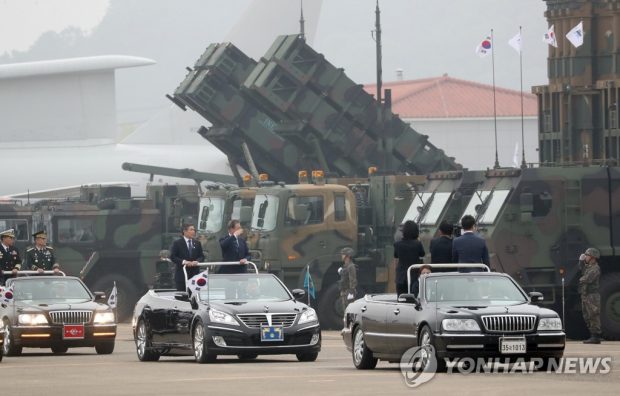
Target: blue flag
{"x": 309, "y": 283}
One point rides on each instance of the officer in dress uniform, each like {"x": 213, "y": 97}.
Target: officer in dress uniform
{"x": 9, "y": 256}
{"x": 40, "y": 257}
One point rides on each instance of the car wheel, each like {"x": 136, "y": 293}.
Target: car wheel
{"x": 105, "y": 348}
{"x": 307, "y": 357}
{"x": 330, "y": 308}
{"x": 127, "y": 293}
{"x": 9, "y": 348}
{"x": 362, "y": 356}
{"x": 199, "y": 340}
{"x": 59, "y": 349}
{"x": 426, "y": 339}
{"x": 144, "y": 344}
{"x": 247, "y": 356}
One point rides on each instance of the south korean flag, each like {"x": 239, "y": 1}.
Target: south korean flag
{"x": 6, "y": 296}
{"x": 198, "y": 282}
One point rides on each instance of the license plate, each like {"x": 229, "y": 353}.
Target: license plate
{"x": 73, "y": 332}
{"x": 272, "y": 333}
{"x": 508, "y": 345}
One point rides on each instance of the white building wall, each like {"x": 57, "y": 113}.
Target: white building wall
{"x": 73, "y": 106}
{"x": 471, "y": 141}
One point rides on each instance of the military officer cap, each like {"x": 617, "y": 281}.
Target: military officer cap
{"x": 8, "y": 233}
{"x": 347, "y": 252}
{"x": 593, "y": 252}
{"x": 39, "y": 234}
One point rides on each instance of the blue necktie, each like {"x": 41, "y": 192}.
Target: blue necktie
{"x": 189, "y": 247}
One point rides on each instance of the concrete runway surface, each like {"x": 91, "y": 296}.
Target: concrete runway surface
{"x": 82, "y": 372}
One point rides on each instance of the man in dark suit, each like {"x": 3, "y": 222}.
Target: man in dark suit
{"x": 469, "y": 247}
{"x": 186, "y": 251}
{"x": 234, "y": 248}
{"x": 441, "y": 247}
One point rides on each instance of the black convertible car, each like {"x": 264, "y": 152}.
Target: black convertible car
{"x": 234, "y": 314}
{"x": 57, "y": 312}
{"x": 477, "y": 314}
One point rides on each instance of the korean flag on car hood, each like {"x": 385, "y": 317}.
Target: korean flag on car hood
{"x": 198, "y": 282}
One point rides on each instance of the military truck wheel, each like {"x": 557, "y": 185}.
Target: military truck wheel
{"x": 330, "y": 307}
{"x": 610, "y": 305}
{"x": 126, "y": 293}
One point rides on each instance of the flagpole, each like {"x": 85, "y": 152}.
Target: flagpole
{"x": 496, "y": 165}
{"x": 523, "y": 163}
{"x": 308, "y": 273}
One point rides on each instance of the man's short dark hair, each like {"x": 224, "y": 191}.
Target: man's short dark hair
{"x": 446, "y": 228}
{"x": 468, "y": 222}
{"x": 233, "y": 223}
{"x": 187, "y": 225}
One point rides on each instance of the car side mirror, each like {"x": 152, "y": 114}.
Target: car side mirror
{"x": 536, "y": 296}
{"x": 409, "y": 299}
{"x": 99, "y": 296}
{"x": 181, "y": 296}
{"x": 298, "y": 294}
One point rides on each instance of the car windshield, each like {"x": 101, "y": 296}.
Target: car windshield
{"x": 429, "y": 206}
{"x": 50, "y": 290}
{"x": 242, "y": 287}
{"x": 265, "y": 212}
{"x": 211, "y": 214}
{"x": 473, "y": 290}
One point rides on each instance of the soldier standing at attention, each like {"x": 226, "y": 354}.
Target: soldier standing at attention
{"x": 9, "y": 256}
{"x": 590, "y": 297}
{"x": 348, "y": 276}
{"x": 40, "y": 257}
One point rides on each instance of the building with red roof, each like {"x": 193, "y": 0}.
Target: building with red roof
{"x": 457, "y": 115}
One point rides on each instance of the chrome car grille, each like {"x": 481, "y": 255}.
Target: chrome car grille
{"x": 255, "y": 321}
{"x": 70, "y": 317}
{"x": 509, "y": 323}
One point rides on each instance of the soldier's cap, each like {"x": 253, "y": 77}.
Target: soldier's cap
{"x": 8, "y": 233}
{"x": 594, "y": 252}
{"x": 40, "y": 234}
{"x": 347, "y": 251}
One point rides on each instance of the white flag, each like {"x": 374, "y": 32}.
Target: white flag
{"x": 112, "y": 299}
{"x": 515, "y": 157}
{"x": 575, "y": 36}
{"x": 549, "y": 37}
{"x": 485, "y": 47}
{"x": 515, "y": 42}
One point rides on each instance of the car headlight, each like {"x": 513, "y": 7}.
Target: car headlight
{"x": 549, "y": 324}
{"x": 222, "y": 317}
{"x": 104, "y": 318}
{"x": 460, "y": 325}
{"x": 308, "y": 315}
{"x": 32, "y": 319}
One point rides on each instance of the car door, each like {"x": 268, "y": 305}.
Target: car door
{"x": 179, "y": 322}
{"x": 373, "y": 326}
{"x": 401, "y": 324}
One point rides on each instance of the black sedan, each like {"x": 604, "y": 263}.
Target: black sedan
{"x": 473, "y": 315}
{"x": 234, "y": 314}
{"x": 57, "y": 312}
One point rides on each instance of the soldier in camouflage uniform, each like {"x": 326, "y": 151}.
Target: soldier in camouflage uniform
{"x": 348, "y": 277}
{"x": 9, "y": 256}
{"x": 590, "y": 297}
{"x": 40, "y": 257}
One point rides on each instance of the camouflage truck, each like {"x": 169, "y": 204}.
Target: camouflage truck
{"x": 105, "y": 235}
{"x": 300, "y": 226}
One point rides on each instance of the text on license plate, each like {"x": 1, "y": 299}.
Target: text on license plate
{"x": 73, "y": 331}
{"x": 512, "y": 345}
{"x": 271, "y": 333}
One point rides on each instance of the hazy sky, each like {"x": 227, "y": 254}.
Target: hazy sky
{"x": 23, "y": 21}
{"x": 425, "y": 38}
